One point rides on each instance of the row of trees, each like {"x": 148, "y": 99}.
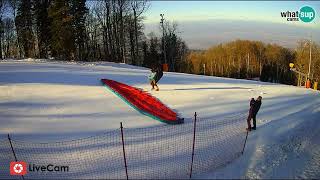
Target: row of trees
{"x": 176, "y": 50}
{"x": 250, "y": 59}
{"x": 110, "y": 30}
{"x": 42, "y": 28}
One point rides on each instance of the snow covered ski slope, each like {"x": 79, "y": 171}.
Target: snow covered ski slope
{"x": 50, "y": 101}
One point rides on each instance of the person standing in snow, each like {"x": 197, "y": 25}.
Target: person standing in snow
{"x": 152, "y": 79}
{"x": 254, "y": 109}
{"x": 159, "y": 73}
{"x": 250, "y": 114}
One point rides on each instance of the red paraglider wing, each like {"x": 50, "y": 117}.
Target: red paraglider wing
{"x": 143, "y": 102}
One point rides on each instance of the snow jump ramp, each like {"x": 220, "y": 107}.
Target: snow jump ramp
{"x": 143, "y": 102}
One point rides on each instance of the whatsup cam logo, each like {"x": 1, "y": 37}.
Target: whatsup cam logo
{"x": 305, "y": 14}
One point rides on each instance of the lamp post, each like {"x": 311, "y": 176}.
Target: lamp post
{"x": 309, "y": 59}
{"x": 310, "y": 55}
{"x": 163, "y": 36}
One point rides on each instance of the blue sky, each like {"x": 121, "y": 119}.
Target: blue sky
{"x": 253, "y": 20}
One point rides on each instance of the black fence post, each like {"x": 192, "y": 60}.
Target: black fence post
{"x": 14, "y": 154}
{"x": 244, "y": 145}
{"x": 193, "y": 143}
{"x": 124, "y": 152}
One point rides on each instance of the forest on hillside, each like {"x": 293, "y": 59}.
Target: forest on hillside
{"x": 113, "y": 30}
{"x": 249, "y": 59}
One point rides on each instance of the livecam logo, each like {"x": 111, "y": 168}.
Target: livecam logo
{"x": 18, "y": 168}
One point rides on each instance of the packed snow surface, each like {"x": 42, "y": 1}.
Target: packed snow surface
{"x": 50, "y": 101}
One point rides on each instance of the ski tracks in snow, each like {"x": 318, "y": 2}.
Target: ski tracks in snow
{"x": 312, "y": 168}
{"x": 277, "y": 161}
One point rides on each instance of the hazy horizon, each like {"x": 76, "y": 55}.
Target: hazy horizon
{"x": 207, "y": 23}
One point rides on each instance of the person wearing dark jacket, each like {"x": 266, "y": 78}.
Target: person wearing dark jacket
{"x": 254, "y": 109}
{"x": 159, "y": 73}
{"x": 250, "y": 114}
{"x": 152, "y": 80}
{"x": 155, "y": 76}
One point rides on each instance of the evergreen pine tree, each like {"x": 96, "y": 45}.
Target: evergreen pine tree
{"x": 62, "y": 36}
{"x": 43, "y": 27}
{"x": 79, "y": 11}
{"x": 24, "y": 27}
